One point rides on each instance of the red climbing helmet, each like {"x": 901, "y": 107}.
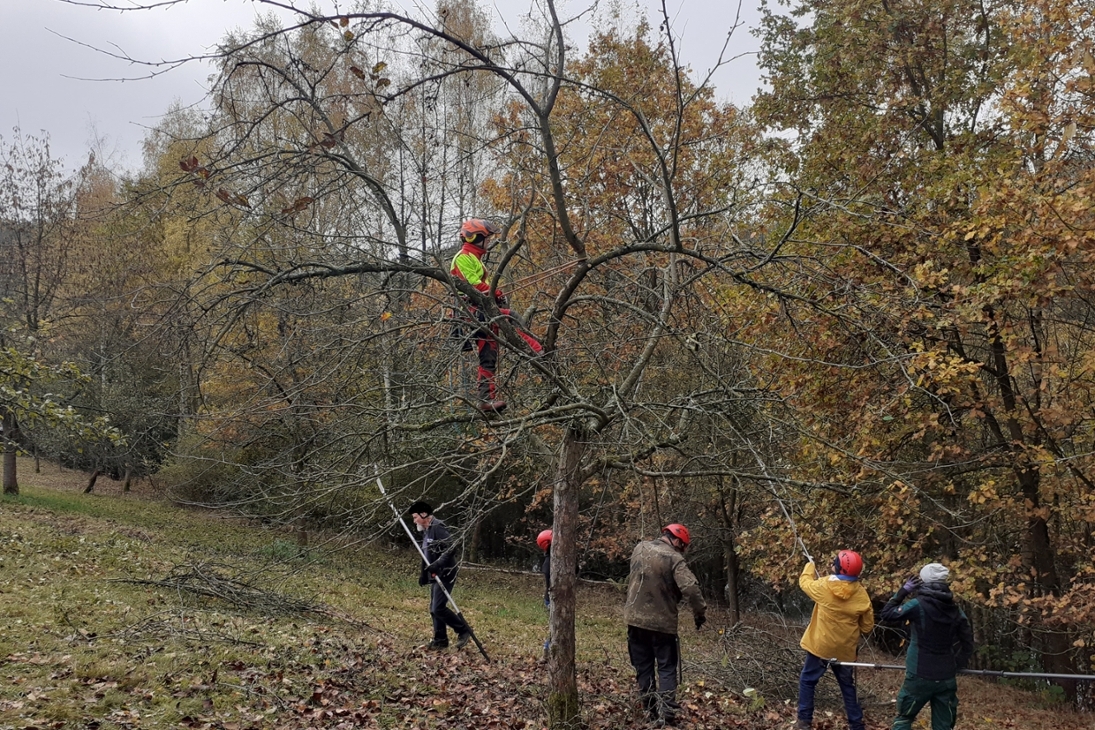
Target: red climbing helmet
{"x": 543, "y": 540}
{"x": 678, "y": 531}
{"x": 848, "y": 562}
{"x": 474, "y": 227}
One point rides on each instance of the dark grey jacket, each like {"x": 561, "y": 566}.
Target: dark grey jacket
{"x": 439, "y": 546}
{"x": 942, "y": 640}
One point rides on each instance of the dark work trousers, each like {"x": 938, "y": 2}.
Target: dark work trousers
{"x": 440, "y": 612}
{"x": 812, "y": 670}
{"x": 650, "y": 650}
{"x": 916, "y": 692}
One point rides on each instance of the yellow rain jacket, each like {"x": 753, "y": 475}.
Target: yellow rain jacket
{"x": 842, "y": 611}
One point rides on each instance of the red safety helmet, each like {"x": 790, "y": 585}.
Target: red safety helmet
{"x": 475, "y": 227}
{"x": 678, "y": 531}
{"x": 848, "y": 562}
{"x": 543, "y": 540}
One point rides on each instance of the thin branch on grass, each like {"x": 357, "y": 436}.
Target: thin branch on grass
{"x": 214, "y": 580}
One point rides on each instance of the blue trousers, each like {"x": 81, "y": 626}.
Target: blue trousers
{"x": 812, "y": 670}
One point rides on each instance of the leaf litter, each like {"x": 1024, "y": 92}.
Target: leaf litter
{"x": 84, "y": 650}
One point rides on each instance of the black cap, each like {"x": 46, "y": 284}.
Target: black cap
{"x": 420, "y": 508}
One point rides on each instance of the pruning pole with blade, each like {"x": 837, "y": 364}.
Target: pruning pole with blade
{"x": 437, "y": 579}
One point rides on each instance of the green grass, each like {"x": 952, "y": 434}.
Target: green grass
{"x": 83, "y": 647}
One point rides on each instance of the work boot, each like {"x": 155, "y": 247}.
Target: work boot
{"x": 488, "y": 399}
{"x": 650, "y": 707}
{"x": 801, "y": 724}
{"x": 437, "y": 645}
{"x": 492, "y": 406}
{"x": 463, "y": 639}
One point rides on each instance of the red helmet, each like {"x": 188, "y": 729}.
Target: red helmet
{"x": 678, "y": 531}
{"x": 848, "y": 563}
{"x": 475, "y": 227}
{"x": 543, "y": 540}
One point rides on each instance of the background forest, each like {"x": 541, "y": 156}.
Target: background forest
{"x": 857, "y": 313}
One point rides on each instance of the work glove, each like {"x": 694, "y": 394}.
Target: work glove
{"x": 547, "y": 601}
{"x": 700, "y": 621}
{"x": 911, "y": 585}
{"x": 423, "y": 579}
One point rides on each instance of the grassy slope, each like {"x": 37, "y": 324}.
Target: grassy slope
{"x": 80, "y": 649}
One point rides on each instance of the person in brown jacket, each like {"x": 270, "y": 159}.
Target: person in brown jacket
{"x": 659, "y": 579}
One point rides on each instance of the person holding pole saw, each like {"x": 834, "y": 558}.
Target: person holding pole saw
{"x": 842, "y": 611}
{"x": 439, "y": 571}
{"x": 941, "y": 643}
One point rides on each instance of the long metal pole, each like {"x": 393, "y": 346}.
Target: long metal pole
{"x": 437, "y": 579}
{"x": 982, "y": 672}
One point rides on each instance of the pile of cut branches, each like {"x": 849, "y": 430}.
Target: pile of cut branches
{"x": 225, "y": 583}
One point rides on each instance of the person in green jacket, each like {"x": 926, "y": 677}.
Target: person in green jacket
{"x": 842, "y": 612}
{"x": 941, "y": 644}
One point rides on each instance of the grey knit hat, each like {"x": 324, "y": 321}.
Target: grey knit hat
{"x": 934, "y": 573}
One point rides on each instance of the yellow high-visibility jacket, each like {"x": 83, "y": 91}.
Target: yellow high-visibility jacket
{"x": 842, "y": 611}
{"x": 467, "y": 264}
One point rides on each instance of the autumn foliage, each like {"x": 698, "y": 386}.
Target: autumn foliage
{"x": 855, "y": 313}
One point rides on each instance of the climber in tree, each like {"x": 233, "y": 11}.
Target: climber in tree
{"x": 467, "y": 264}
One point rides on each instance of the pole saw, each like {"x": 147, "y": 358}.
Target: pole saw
{"x": 436, "y": 578}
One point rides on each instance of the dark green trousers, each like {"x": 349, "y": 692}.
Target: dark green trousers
{"x": 917, "y": 692}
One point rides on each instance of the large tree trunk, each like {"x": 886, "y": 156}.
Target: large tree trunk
{"x": 733, "y": 571}
{"x": 1057, "y": 656}
{"x": 728, "y": 505}
{"x": 10, "y": 439}
{"x": 564, "y": 711}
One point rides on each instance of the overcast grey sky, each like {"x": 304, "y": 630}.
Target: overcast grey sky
{"x": 48, "y": 82}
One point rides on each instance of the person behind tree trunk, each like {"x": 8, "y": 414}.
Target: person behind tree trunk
{"x": 940, "y": 644}
{"x": 842, "y": 611}
{"x": 659, "y": 579}
{"x": 543, "y": 541}
{"x": 438, "y": 547}
{"x": 467, "y": 264}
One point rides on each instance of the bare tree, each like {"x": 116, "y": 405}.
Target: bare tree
{"x": 620, "y": 185}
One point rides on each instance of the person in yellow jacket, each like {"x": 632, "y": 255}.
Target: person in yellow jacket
{"x": 842, "y": 611}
